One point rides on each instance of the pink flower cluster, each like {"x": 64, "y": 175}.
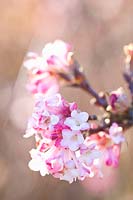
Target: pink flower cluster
{"x": 43, "y": 69}
{"x": 63, "y": 147}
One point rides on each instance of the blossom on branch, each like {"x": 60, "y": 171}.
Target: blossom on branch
{"x": 47, "y": 70}
{"x": 58, "y": 55}
{"x": 65, "y": 151}
{"x": 70, "y": 144}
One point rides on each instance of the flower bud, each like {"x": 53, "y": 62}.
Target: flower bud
{"x": 118, "y": 101}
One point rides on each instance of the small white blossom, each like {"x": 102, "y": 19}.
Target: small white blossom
{"x": 78, "y": 120}
{"x": 72, "y": 139}
{"x": 38, "y": 163}
{"x": 116, "y": 134}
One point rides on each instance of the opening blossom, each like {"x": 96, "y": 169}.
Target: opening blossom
{"x": 118, "y": 101}
{"x": 70, "y": 145}
{"x": 44, "y": 69}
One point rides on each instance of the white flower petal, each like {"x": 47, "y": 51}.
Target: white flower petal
{"x": 30, "y": 64}
{"x": 75, "y": 128}
{"x": 67, "y": 133}
{"x": 70, "y": 122}
{"x": 34, "y": 164}
{"x": 74, "y": 113}
{"x": 29, "y": 133}
{"x": 83, "y": 116}
{"x": 80, "y": 138}
{"x": 64, "y": 143}
{"x": 84, "y": 126}
{"x": 43, "y": 170}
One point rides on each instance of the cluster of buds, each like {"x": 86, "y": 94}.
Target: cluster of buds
{"x": 71, "y": 144}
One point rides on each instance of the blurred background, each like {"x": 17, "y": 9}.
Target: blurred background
{"x": 98, "y": 30}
